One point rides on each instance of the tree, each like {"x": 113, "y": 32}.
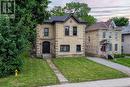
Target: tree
{"x": 31, "y": 13}
{"x": 121, "y": 21}
{"x": 12, "y": 44}
{"x": 57, "y": 11}
{"x": 16, "y": 33}
{"x": 80, "y": 10}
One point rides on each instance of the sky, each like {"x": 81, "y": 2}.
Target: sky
{"x": 102, "y": 10}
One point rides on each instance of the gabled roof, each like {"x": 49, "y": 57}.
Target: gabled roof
{"x": 126, "y": 30}
{"x": 102, "y": 26}
{"x": 64, "y": 18}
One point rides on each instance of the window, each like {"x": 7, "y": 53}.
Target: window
{"x": 64, "y": 48}
{"x": 75, "y": 31}
{"x": 88, "y": 38}
{"x": 46, "y": 32}
{"x": 78, "y": 48}
{"x": 103, "y": 48}
{"x": 110, "y": 35}
{"x": 122, "y": 38}
{"x": 104, "y": 34}
{"x": 66, "y": 30}
{"x": 110, "y": 47}
{"x": 116, "y": 47}
{"x": 122, "y": 49}
{"x": 116, "y": 35}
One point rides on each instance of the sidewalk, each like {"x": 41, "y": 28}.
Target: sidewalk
{"x": 123, "y": 82}
{"x": 113, "y": 65}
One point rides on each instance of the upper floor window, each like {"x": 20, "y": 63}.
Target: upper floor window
{"x": 116, "y": 35}
{"x": 66, "y": 30}
{"x": 78, "y": 48}
{"x": 104, "y": 34}
{"x": 46, "y": 31}
{"x": 110, "y": 35}
{"x": 122, "y": 38}
{"x": 64, "y": 48}
{"x": 88, "y": 38}
{"x": 74, "y": 31}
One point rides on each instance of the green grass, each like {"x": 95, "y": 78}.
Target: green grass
{"x": 81, "y": 69}
{"x": 123, "y": 61}
{"x": 36, "y": 73}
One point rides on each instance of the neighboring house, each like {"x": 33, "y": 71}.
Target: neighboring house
{"x": 61, "y": 36}
{"x": 103, "y": 39}
{"x": 126, "y": 40}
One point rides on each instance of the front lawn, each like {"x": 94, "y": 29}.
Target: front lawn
{"x": 81, "y": 69}
{"x": 123, "y": 61}
{"x": 36, "y": 73}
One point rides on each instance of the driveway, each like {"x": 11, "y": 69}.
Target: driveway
{"x": 110, "y": 64}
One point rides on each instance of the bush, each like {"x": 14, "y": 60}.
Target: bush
{"x": 127, "y": 54}
{"x": 12, "y": 44}
{"x": 119, "y": 55}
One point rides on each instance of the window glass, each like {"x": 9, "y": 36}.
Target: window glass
{"x": 116, "y": 47}
{"x": 66, "y": 30}
{"x": 89, "y": 38}
{"x": 75, "y": 31}
{"x": 46, "y": 32}
{"x": 116, "y": 35}
{"x": 78, "y": 48}
{"x": 64, "y": 48}
{"x": 110, "y": 47}
{"x": 122, "y": 38}
{"x": 110, "y": 35}
{"x": 104, "y": 34}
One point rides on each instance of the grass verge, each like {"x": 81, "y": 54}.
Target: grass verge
{"x": 36, "y": 72}
{"x": 81, "y": 69}
{"x": 122, "y": 61}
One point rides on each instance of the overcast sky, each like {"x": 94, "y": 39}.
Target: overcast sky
{"x": 101, "y": 9}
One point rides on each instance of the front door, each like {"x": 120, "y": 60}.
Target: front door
{"x": 46, "y": 47}
{"x": 103, "y": 48}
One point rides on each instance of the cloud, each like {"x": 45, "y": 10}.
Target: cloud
{"x": 107, "y": 5}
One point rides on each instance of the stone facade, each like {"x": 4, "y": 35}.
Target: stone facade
{"x": 99, "y": 39}
{"x": 57, "y": 37}
{"x": 126, "y": 40}
{"x": 126, "y": 44}
{"x": 103, "y": 40}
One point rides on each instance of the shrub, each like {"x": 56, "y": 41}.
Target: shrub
{"x": 127, "y": 54}
{"x": 119, "y": 55}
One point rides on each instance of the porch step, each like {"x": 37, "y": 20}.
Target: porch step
{"x": 47, "y": 56}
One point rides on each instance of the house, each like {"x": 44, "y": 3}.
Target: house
{"x": 126, "y": 40}
{"x": 61, "y": 36}
{"x": 103, "y": 39}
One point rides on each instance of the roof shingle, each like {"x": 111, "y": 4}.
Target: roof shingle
{"x": 62, "y": 19}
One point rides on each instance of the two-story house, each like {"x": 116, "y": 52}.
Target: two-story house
{"x": 61, "y": 36}
{"x": 126, "y": 40}
{"x": 103, "y": 39}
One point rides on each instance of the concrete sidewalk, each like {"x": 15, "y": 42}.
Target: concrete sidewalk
{"x": 123, "y": 82}
{"x": 110, "y": 64}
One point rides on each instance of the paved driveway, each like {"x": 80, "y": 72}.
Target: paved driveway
{"x": 113, "y": 65}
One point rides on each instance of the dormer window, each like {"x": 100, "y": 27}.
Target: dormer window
{"x": 46, "y": 32}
